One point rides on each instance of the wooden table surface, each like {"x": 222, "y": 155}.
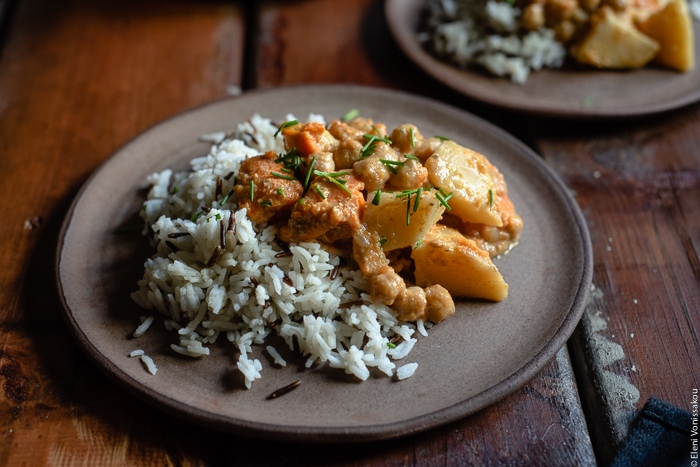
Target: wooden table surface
{"x": 81, "y": 77}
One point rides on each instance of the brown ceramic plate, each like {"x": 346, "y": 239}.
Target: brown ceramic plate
{"x": 564, "y": 92}
{"x": 479, "y": 355}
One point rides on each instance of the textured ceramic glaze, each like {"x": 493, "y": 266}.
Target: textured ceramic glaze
{"x": 575, "y": 91}
{"x": 477, "y": 356}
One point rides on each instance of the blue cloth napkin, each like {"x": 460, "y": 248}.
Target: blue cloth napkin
{"x": 660, "y": 436}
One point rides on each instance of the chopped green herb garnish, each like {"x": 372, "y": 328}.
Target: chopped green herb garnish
{"x": 377, "y": 138}
{"x": 389, "y": 162}
{"x": 510, "y": 2}
{"x": 176, "y": 189}
{"x": 367, "y": 150}
{"x": 291, "y": 160}
{"x": 281, "y": 192}
{"x": 320, "y": 193}
{"x": 353, "y": 114}
{"x": 442, "y": 138}
{"x": 587, "y": 101}
{"x": 126, "y": 230}
{"x": 252, "y": 191}
{"x": 419, "y": 242}
{"x": 391, "y": 169}
{"x": 391, "y": 345}
{"x": 332, "y": 178}
{"x": 411, "y": 156}
{"x": 443, "y": 201}
{"x": 375, "y": 129}
{"x": 223, "y": 201}
{"x": 196, "y": 216}
{"x": 407, "y": 193}
{"x": 449, "y": 197}
{"x": 301, "y": 201}
{"x": 308, "y": 174}
{"x": 286, "y": 170}
{"x": 377, "y": 198}
{"x": 490, "y": 199}
{"x": 267, "y": 204}
{"x": 286, "y": 177}
{"x": 382, "y": 241}
{"x": 235, "y": 180}
{"x": 408, "y": 210}
{"x": 418, "y": 193}
{"x": 413, "y": 139}
{"x": 442, "y": 192}
{"x": 143, "y": 208}
{"x": 285, "y": 125}
{"x": 218, "y": 216}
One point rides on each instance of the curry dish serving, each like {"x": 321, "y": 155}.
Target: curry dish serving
{"x": 421, "y": 217}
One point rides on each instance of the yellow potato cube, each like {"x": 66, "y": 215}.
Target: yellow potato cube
{"x": 672, "y": 28}
{"x": 388, "y": 218}
{"x": 613, "y": 42}
{"x": 455, "y": 262}
{"x": 468, "y": 176}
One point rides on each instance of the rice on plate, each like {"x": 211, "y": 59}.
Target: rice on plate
{"x": 512, "y": 38}
{"x": 255, "y": 286}
{"x": 340, "y": 238}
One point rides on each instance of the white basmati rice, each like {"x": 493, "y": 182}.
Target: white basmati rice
{"x": 694, "y": 9}
{"x": 246, "y": 293}
{"x": 145, "y": 324}
{"x": 149, "y": 364}
{"x": 406, "y": 370}
{"x": 136, "y": 353}
{"x": 276, "y": 356}
{"x": 485, "y": 32}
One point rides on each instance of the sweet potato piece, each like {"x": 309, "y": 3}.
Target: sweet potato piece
{"x": 330, "y": 219}
{"x": 309, "y": 138}
{"x": 276, "y": 194}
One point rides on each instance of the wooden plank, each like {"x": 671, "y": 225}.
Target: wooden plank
{"x": 638, "y": 184}
{"x": 77, "y": 80}
{"x": 325, "y": 41}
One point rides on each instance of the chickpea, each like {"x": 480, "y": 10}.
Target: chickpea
{"x": 533, "y": 17}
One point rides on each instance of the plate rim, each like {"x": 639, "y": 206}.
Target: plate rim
{"x": 405, "y": 39}
{"x": 373, "y": 432}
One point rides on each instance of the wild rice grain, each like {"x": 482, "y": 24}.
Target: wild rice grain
{"x": 284, "y": 390}
{"x": 214, "y": 257}
{"x": 231, "y": 223}
{"x": 222, "y": 235}
{"x": 178, "y": 234}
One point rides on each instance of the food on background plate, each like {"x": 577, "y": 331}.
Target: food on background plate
{"x": 512, "y": 38}
{"x": 343, "y": 239}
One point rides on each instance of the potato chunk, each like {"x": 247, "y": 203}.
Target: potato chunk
{"x": 388, "y": 219}
{"x": 447, "y": 258}
{"x": 469, "y": 177}
{"x": 613, "y": 42}
{"x": 673, "y": 30}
